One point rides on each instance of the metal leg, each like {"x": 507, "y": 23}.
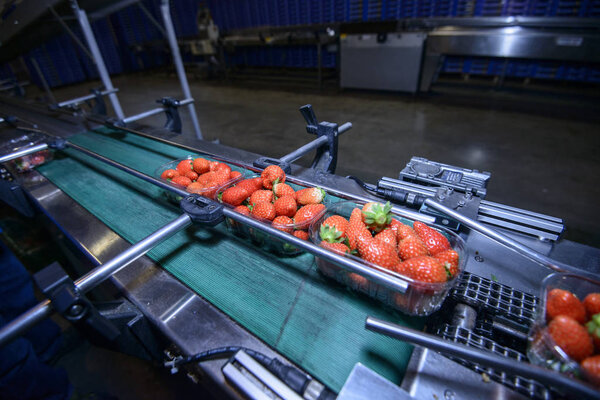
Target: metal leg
{"x": 97, "y": 56}
{"x": 172, "y": 39}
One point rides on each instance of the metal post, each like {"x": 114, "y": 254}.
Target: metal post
{"x": 91, "y": 41}
{"x": 23, "y": 152}
{"x": 542, "y": 375}
{"x": 172, "y": 39}
{"x": 94, "y": 277}
{"x": 79, "y": 100}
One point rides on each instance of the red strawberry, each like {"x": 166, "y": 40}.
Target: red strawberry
{"x": 424, "y": 269}
{"x": 234, "y": 195}
{"x": 242, "y": 210}
{"x": 359, "y": 280}
{"x": 234, "y": 174}
{"x": 308, "y": 212}
{"x": 169, "y": 174}
{"x": 181, "y": 180}
{"x": 449, "y": 259}
{"x": 261, "y": 196}
{"x": 271, "y": 174}
{"x": 221, "y": 176}
{"x": 192, "y": 175}
{"x": 221, "y": 167}
{"x": 310, "y": 196}
{"x": 402, "y": 231}
{"x": 338, "y": 222}
{"x": 434, "y": 241}
{"x": 264, "y": 210}
{"x": 301, "y": 234}
{"x": 283, "y": 189}
{"x": 563, "y": 302}
{"x": 212, "y": 165}
{"x": 250, "y": 185}
{"x": 571, "y": 337}
{"x": 285, "y": 205}
{"x": 283, "y": 223}
{"x": 330, "y": 234}
{"x": 591, "y": 366}
{"x": 201, "y": 166}
{"x": 207, "y": 179}
{"x": 376, "y": 215}
{"x": 196, "y": 187}
{"x": 387, "y": 236}
{"x": 184, "y": 167}
{"x": 378, "y": 253}
{"x": 411, "y": 247}
{"x": 592, "y": 304}
{"x": 340, "y": 248}
{"x": 357, "y": 230}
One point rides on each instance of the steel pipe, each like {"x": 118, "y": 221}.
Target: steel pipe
{"x": 298, "y": 153}
{"x": 503, "y": 239}
{"x": 94, "y": 278}
{"x": 547, "y": 377}
{"x": 23, "y": 152}
{"x": 153, "y": 111}
{"x": 81, "y": 99}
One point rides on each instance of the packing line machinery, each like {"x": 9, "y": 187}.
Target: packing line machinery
{"x": 482, "y": 325}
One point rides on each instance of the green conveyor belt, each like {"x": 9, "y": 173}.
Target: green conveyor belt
{"x": 315, "y": 322}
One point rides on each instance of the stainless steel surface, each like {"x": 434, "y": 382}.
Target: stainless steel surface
{"x": 296, "y": 154}
{"x": 542, "y": 375}
{"x": 93, "y": 278}
{"x": 79, "y": 100}
{"x": 98, "y": 60}
{"x": 23, "y": 152}
{"x": 254, "y": 380}
{"x": 172, "y": 39}
{"x": 363, "y": 383}
{"x": 370, "y": 61}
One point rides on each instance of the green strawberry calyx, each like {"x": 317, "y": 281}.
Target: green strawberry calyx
{"x": 378, "y": 215}
{"x": 593, "y": 326}
{"x": 330, "y": 234}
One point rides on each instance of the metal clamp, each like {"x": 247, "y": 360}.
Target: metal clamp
{"x": 202, "y": 210}
{"x": 264, "y": 162}
{"x": 171, "y": 109}
{"x": 99, "y": 106}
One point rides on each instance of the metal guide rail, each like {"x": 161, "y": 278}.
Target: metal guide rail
{"x": 490, "y": 296}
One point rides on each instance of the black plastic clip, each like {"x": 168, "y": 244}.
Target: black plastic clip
{"x": 171, "y": 109}
{"x": 58, "y": 143}
{"x": 326, "y": 157}
{"x": 66, "y": 299}
{"x": 202, "y": 210}
{"x": 264, "y": 162}
{"x": 99, "y": 106}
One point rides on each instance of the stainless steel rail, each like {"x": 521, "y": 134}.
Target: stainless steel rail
{"x": 547, "y": 377}
{"x": 296, "y": 154}
{"x": 23, "y": 152}
{"x": 153, "y": 111}
{"x": 81, "y": 99}
{"x": 94, "y": 277}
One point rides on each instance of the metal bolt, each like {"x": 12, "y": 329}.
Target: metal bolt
{"x": 479, "y": 259}
{"x": 76, "y": 310}
{"x": 449, "y": 394}
{"x": 461, "y": 203}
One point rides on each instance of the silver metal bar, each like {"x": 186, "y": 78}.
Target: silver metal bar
{"x": 23, "y": 152}
{"x": 94, "y": 277}
{"x": 81, "y": 99}
{"x": 298, "y": 153}
{"x": 503, "y": 239}
{"x": 151, "y": 18}
{"x": 91, "y": 41}
{"x": 153, "y": 111}
{"x": 36, "y": 66}
{"x": 486, "y": 203}
{"x": 519, "y": 228}
{"x": 521, "y": 218}
{"x": 172, "y": 39}
{"x": 70, "y": 33}
{"x": 547, "y": 377}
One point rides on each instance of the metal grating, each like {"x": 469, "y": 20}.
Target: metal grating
{"x": 527, "y": 387}
{"x": 496, "y": 298}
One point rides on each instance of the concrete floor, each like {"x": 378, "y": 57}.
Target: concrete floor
{"x": 540, "y": 144}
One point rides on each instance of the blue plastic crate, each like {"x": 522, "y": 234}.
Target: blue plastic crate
{"x": 443, "y": 8}
{"x": 488, "y": 8}
{"x": 463, "y": 8}
{"x": 591, "y": 8}
{"x": 569, "y": 8}
{"x": 452, "y": 65}
{"x": 516, "y": 7}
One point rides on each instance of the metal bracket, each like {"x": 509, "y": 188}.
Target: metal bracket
{"x": 66, "y": 299}
{"x": 171, "y": 109}
{"x": 99, "y": 106}
{"x": 264, "y": 162}
{"x": 326, "y": 157}
{"x": 58, "y": 143}
{"x": 202, "y": 210}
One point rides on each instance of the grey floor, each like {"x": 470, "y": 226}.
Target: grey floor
{"x": 541, "y": 144}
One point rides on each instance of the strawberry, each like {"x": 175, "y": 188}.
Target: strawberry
{"x": 592, "y": 304}
{"x": 222, "y": 176}
{"x": 200, "y": 165}
{"x": 591, "y": 366}
{"x": 330, "y": 234}
{"x": 271, "y": 174}
{"x": 424, "y": 269}
{"x": 571, "y": 337}
{"x": 184, "y": 167}
{"x": 402, "y": 231}
{"x": 376, "y": 215}
{"x": 449, "y": 258}
{"x": 340, "y": 248}
{"x": 563, "y": 302}
{"x": 195, "y": 187}
{"x": 283, "y": 223}
{"x": 357, "y": 230}
{"x": 283, "y": 189}
{"x": 192, "y": 175}
{"x": 235, "y": 174}
{"x": 285, "y": 205}
{"x": 378, "y": 253}
{"x": 593, "y": 327}
{"x": 264, "y": 210}
{"x": 207, "y": 179}
{"x": 242, "y": 210}
{"x": 310, "y": 196}
{"x": 338, "y": 222}
{"x": 224, "y": 168}
{"x": 181, "y": 180}
{"x": 212, "y": 165}
{"x": 250, "y": 185}
{"x": 387, "y": 236}
{"x": 234, "y": 195}
{"x": 301, "y": 234}
{"x": 169, "y": 174}
{"x": 358, "y": 280}
{"x": 308, "y": 212}
{"x": 411, "y": 247}
{"x": 261, "y": 196}
{"x": 434, "y": 241}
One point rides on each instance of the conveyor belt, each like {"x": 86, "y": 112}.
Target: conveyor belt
{"x": 284, "y": 301}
